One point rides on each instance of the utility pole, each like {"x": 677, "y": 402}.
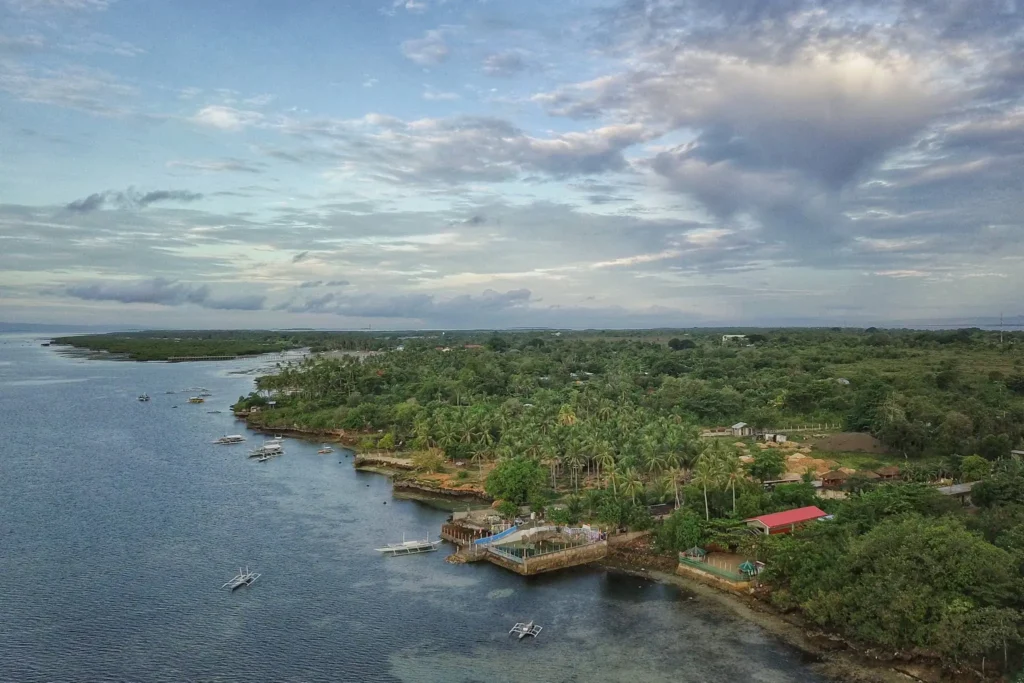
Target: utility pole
{"x": 1000, "y": 328}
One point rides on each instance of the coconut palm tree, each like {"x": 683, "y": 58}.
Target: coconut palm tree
{"x": 632, "y": 484}
{"x": 732, "y": 472}
{"x": 707, "y": 473}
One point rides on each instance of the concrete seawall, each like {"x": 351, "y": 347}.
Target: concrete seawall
{"x": 550, "y": 562}
{"x": 712, "y": 580}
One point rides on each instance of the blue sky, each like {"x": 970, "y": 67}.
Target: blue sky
{"x": 465, "y": 163}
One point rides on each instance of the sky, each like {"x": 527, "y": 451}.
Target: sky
{"x": 401, "y": 164}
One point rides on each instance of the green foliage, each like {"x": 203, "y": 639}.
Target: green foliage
{"x": 1005, "y": 486}
{"x": 974, "y": 468}
{"x": 677, "y": 344}
{"x": 508, "y": 509}
{"x": 898, "y": 568}
{"x": 915, "y": 581}
{"x": 682, "y": 530}
{"x": 768, "y": 464}
{"x": 516, "y": 480}
{"x": 428, "y": 461}
{"x": 387, "y": 442}
{"x": 788, "y": 496}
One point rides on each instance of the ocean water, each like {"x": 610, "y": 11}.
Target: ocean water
{"x": 119, "y": 521}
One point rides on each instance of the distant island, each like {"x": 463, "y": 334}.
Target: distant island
{"x": 185, "y": 345}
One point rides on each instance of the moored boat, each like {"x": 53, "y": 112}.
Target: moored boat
{"x": 268, "y": 448}
{"x": 144, "y": 397}
{"x": 325, "y": 449}
{"x": 230, "y": 439}
{"x": 196, "y": 399}
{"x": 410, "y": 547}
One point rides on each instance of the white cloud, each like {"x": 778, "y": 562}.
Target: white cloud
{"x": 226, "y": 118}
{"x": 430, "y": 50}
{"x": 432, "y": 95}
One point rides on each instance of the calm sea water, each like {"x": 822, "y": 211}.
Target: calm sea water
{"x": 119, "y": 521}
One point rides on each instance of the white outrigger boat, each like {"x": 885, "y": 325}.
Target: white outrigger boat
{"x": 230, "y": 439}
{"x": 245, "y": 578}
{"x": 144, "y": 397}
{"x": 527, "y": 629}
{"x": 325, "y": 449}
{"x": 410, "y": 547}
{"x": 269, "y": 449}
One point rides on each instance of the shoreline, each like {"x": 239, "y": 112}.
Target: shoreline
{"x": 828, "y": 655}
{"x": 394, "y": 468}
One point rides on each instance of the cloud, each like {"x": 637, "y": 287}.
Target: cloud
{"x": 59, "y": 5}
{"x": 225, "y": 118}
{"x": 432, "y": 95}
{"x": 218, "y": 166}
{"x": 311, "y": 284}
{"x": 162, "y": 292}
{"x": 505, "y": 64}
{"x": 22, "y": 44}
{"x": 430, "y": 50}
{"x": 469, "y": 149}
{"x": 75, "y": 87}
{"x": 130, "y": 199}
{"x": 301, "y": 256}
{"x": 422, "y": 307}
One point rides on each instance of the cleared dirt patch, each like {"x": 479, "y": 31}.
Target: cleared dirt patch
{"x": 856, "y": 442}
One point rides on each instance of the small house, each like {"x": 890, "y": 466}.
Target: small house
{"x": 741, "y": 429}
{"x": 834, "y": 480}
{"x": 785, "y": 522}
{"x": 730, "y": 338}
{"x": 888, "y": 473}
{"x": 961, "y": 492}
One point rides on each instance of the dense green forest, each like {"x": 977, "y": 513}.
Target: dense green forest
{"x": 598, "y": 426}
{"x": 921, "y": 393}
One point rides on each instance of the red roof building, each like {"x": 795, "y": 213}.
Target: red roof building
{"x": 785, "y": 522}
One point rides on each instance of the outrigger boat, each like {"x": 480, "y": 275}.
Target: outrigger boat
{"x": 410, "y": 547}
{"x": 527, "y": 629}
{"x": 245, "y": 578}
{"x": 144, "y": 397}
{"x": 269, "y": 449}
{"x": 230, "y": 439}
{"x": 196, "y": 399}
{"x": 324, "y": 449}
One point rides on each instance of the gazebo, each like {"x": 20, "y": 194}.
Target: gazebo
{"x": 749, "y": 569}
{"x": 695, "y": 553}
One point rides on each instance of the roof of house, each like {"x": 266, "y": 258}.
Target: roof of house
{"x": 869, "y": 474}
{"x": 956, "y": 489}
{"x": 889, "y": 471}
{"x": 739, "y": 425}
{"x": 777, "y": 519}
{"x": 834, "y": 475}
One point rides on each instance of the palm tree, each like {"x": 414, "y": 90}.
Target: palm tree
{"x": 614, "y": 477}
{"x": 632, "y": 484}
{"x": 566, "y": 415}
{"x": 732, "y": 471}
{"x": 706, "y": 474}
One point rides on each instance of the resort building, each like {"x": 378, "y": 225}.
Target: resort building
{"x": 785, "y": 522}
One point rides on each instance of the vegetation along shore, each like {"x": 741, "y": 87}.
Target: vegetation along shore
{"x": 907, "y": 442}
